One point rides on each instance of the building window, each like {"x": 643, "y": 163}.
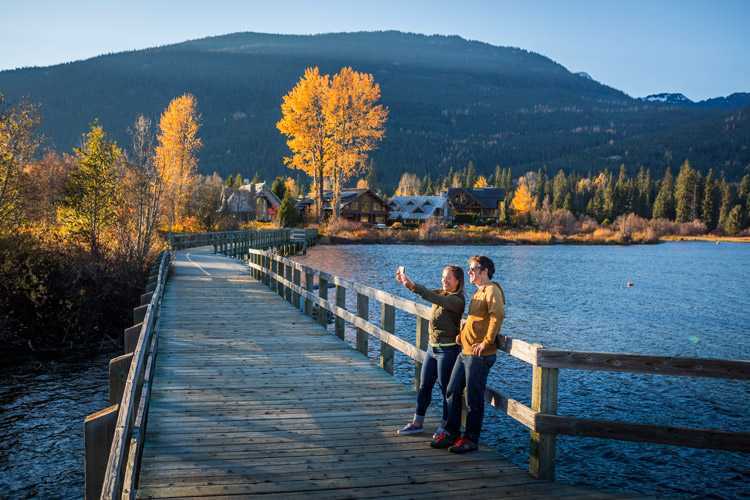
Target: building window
{"x": 353, "y": 205}
{"x": 376, "y": 207}
{"x": 379, "y": 219}
{"x": 365, "y": 218}
{"x": 462, "y": 199}
{"x": 365, "y": 205}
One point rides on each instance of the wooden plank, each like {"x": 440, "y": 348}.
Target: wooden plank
{"x": 638, "y": 363}
{"x": 644, "y": 433}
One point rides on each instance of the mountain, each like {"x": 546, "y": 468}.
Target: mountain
{"x": 675, "y": 99}
{"x": 738, "y": 100}
{"x": 451, "y": 101}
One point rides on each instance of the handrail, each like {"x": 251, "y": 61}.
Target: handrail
{"x": 119, "y": 464}
{"x": 541, "y": 418}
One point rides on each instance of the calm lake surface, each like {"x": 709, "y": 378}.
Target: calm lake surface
{"x": 689, "y": 299}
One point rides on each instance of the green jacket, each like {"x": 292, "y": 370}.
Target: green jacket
{"x": 445, "y": 321}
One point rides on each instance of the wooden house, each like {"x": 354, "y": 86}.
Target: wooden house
{"x": 484, "y": 203}
{"x": 360, "y": 205}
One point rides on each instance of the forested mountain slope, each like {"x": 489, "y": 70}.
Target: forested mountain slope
{"x": 450, "y": 100}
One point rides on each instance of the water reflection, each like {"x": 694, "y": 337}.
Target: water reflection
{"x": 688, "y": 299}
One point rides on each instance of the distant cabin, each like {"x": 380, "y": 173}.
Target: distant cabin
{"x": 484, "y": 203}
{"x": 359, "y": 205}
{"x": 417, "y": 209}
{"x": 250, "y": 202}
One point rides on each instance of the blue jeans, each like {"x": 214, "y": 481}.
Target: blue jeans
{"x": 469, "y": 372}
{"x": 438, "y": 365}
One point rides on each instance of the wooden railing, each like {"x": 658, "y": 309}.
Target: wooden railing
{"x": 234, "y": 243}
{"x": 114, "y": 436}
{"x": 284, "y": 276}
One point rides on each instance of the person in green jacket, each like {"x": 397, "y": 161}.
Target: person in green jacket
{"x": 445, "y": 324}
{"x": 479, "y": 340}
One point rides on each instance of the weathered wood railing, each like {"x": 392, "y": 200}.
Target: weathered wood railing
{"x": 284, "y": 276}
{"x": 234, "y": 243}
{"x": 113, "y": 437}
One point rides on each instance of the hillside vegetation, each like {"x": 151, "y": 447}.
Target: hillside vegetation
{"x": 451, "y": 101}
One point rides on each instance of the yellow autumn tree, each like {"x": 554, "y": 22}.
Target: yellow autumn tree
{"x": 481, "y": 182}
{"x": 355, "y": 125}
{"x": 178, "y": 144}
{"x": 304, "y": 123}
{"x": 523, "y": 203}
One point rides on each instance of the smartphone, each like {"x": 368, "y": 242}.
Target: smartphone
{"x": 401, "y": 270}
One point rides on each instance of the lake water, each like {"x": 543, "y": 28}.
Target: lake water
{"x": 689, "y": 299}
{"x": 43, "y": 405}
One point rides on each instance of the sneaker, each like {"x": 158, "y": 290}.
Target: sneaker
{"x": 442, "y": 441}
{"x": 463, "y": 445}
{"x": 439, "y": 431}
{"x": 411, "y": 428}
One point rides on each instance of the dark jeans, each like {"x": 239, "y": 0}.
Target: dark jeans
{"x": 438, "y": 365}
{"x": 469, "y": 372}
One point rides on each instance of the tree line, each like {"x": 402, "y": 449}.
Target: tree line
{"x": 723, "y": 207}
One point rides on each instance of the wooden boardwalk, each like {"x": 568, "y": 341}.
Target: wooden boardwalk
{"x": 252, "y": 398}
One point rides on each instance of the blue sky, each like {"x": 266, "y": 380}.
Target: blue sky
{"x": 698, "y": 48}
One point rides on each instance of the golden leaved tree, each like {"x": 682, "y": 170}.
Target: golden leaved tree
{"x": 331, "y": 125}
{"x": 304, "y": 125}
{"x": 178, "y": 145}
{"x": 523, "y": 203}
{"x": 355, "y": 125}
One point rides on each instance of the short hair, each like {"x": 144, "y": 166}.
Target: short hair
{"x": 484, "y": 262}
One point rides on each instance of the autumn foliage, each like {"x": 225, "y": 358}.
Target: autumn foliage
{"x": 332, "y": 124}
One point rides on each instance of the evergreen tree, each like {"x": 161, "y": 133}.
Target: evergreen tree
{"x": 448, "y": 182}
{"x": 568, "y": 203}
{"x": 735, "y": 221}
{"x": 238, "y": 181}
{"x": 90, "y": 192}
{"x": 371, "y": 177}
{"x": 229, "y": 181}
{"x": 256, "y": 178}
{"x": 508, "y": 182}
{"x": 498, "y": 180}
{"x": 471, "y": 175}
{"x": 559, "y": 190}
{"x": 288, "y": 215}
{"x": 279, "y": 187}
{"x": 710, "y": 209}
{"x": 727, "y": 203}
{"x": 687, "y": 194}
{"x": 664, "y": 204}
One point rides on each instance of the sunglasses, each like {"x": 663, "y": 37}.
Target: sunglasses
{"x": 474, "y": 268}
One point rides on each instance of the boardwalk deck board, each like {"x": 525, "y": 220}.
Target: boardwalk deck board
{"x": 251, "y": 397}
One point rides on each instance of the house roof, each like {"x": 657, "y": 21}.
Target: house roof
{"x": 416, "y": 207}
{"x": 487, "y": 197}
{"x": 347, "y": 196}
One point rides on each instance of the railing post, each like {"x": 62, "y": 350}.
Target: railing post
{"x": 323, "y": 294}
{"x": 340, "y": 326}
{"x": 297, "y": 281}
{"x": 388, "y": 323}
{"x": 98, "y": 431}
{"x": 118, "y": 373}
{"x": 363, "y": 311}
{"x": 309, "y": 288}
{"x": 273, "y": 283}
{"x": 423, "y": 337}
{"x": 280, "y": 267}
{"x": 288, "y": 276}
{"x": 543, "y": 400}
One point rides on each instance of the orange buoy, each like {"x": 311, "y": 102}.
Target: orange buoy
{"x": 630, "y": 283}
